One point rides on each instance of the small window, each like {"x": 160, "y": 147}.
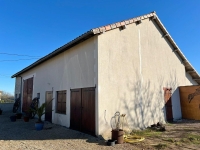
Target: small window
{"x": 61, "y": 102}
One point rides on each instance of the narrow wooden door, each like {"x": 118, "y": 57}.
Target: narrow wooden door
{"x": 24, "y": 103}
{"x": 27, "y": 94}
{"x": 75, "y": 109}
{"x": 168, "y": 104}
{"x": 48, "y": 109}
{"x": 29, "y": 91}
{"x": 88, "y": 111}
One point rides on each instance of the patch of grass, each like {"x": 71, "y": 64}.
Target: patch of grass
{"x": 191, "y": 139}
{"x": 161, "y": 146}
{"x": 146, "y": 133}
{"x": 173, "y": 141}
{"x": 169, "y": 140}
{"x": 188, "y": 129}
{"x": 169, "y": 124}
{"x": 178, "y": 144}
{"x": 195, "y": 139}
{"x": 185, "y": 140}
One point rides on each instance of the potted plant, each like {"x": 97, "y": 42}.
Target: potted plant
{"x": 18, "y": 115}
{"x": 40, "y": 111}
{"x": 26, "y": 117}
{"x": 13, "y": 118}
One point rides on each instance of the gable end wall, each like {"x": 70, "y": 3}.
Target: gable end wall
{"x": 134, "y": 65}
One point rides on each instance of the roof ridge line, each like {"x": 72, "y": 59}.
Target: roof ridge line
{"x": 115, "y": 25}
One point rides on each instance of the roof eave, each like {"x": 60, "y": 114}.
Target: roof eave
{"x": 186, "y": 63}
{"x": 99, "y": 30}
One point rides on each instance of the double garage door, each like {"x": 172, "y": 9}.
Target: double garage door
{"x": 82, "y": 110}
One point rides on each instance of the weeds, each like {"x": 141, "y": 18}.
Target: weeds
{"x": 169, "y": 140}
{"x": 161, "y": 146}
{"x": 146, "y": 133}
{"x": 173, "y": 137}
{"x": 195, "y": 139}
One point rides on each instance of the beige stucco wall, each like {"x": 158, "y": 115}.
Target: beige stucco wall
{"x": 189, "y": 80}
{"x": 17, "y": 86}
{"x": 134, "y": 65}
{"x": 74, "y": 68}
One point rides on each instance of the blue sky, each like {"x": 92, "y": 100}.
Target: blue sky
{"x": 36, "y": 28}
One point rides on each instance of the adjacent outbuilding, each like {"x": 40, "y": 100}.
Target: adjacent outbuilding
{"x": 190, "y": 102}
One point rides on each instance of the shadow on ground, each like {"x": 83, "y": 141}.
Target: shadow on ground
{"x": 21, "y": 130}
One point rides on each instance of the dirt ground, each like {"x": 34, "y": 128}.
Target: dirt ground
{"x": 21, "y": 135}
{"x": 184, "y": 135}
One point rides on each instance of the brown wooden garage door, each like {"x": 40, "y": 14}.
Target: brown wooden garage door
{"x": 82, "y": 108}
{"x": 190, "y": 102}
{"x": 27, "y": 94}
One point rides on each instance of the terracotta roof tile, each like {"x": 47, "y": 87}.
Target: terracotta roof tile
{"x": 127, "y": 22}
{"x": 134, "y": 20}
{"x": 96, "y": 30}
{"x": 102, "y": 29}
{"x": 113, "y": 26}
{"x": 108, "y": 27}
{"x": 118, "y": 24}
{"x": 131, "y": 20}
{"x": 122, "y": 23}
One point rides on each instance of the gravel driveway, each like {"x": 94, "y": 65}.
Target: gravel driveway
{"x": 22, "y": 135}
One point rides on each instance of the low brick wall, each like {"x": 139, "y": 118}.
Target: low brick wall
{"x": 6, "y": 107}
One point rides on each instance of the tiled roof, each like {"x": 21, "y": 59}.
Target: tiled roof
{"x": 188, "y": 67}
{"x": 122, "y": 23}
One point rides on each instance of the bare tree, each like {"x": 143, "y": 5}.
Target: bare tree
{"x": 6, "y": 96}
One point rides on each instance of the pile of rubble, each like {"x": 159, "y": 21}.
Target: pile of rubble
{"x": 158, "y": 127}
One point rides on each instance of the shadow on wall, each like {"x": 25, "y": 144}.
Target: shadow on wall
{"x": 146, "y": 105}
{"x": 176, "y": 106}
{"x": 188, "y": 76}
